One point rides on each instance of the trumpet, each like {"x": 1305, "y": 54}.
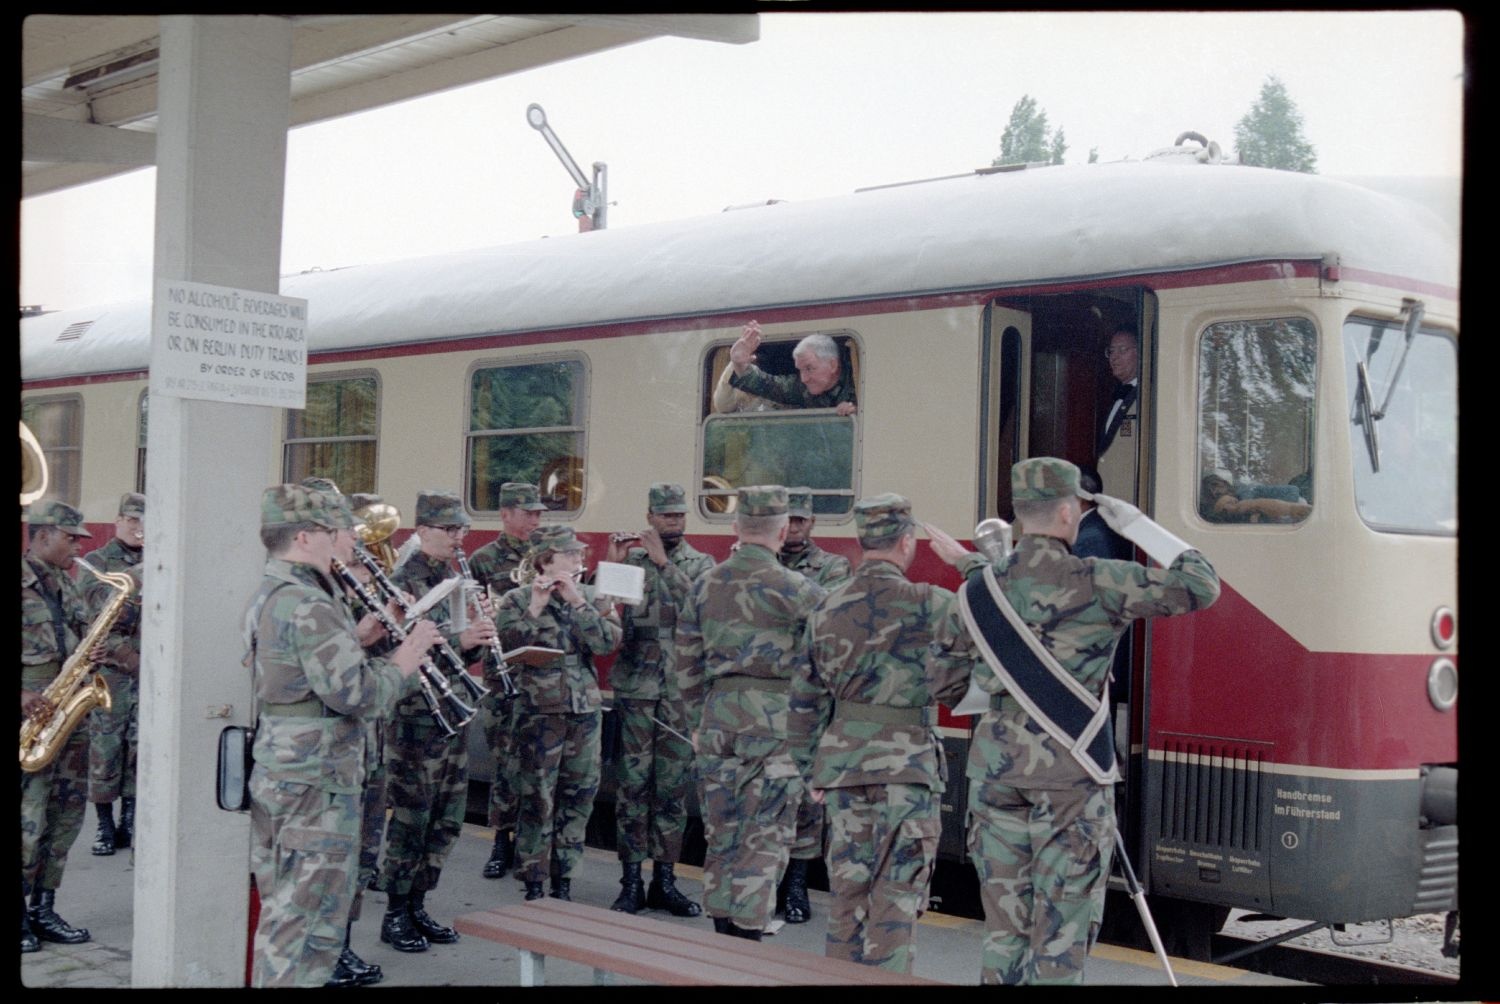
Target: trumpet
{"x": 435, "y": 688}
{"x": 494, "y": 657}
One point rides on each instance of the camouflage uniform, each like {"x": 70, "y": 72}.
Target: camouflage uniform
{"x": 491, "y": 566}
{"x": 1041, "y": 831}
{"x": 54, "y": 619}
{"x": 651, "y": 800}
{"x": 113, "y": 731}
{"x": 879, "y": 760}
{"x": 740, "y": 643}
{"x": 826, "y": 570}
{"x": 557, "y": 722}
{"x": 314, "y": 687}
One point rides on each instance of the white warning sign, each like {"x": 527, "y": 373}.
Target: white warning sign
{"x": 234, "y": 345}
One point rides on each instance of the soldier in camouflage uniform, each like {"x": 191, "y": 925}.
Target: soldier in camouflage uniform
{"x": 521, "y": 511}
{"x": 740, "y": 643}
{"x": 112, "y": 730}
{"x": 879, "y": 762}
{"x": 821, "y": 380}
{"x": 557, "y": 721}
{"x": 1041, "y": 829}
{"x": 54, "y": 619}
{"x": 651, "y": 797}
{"x": 801, "y": 554}
{"x": 314, "y": 687}
{"x": 427, "y": 771}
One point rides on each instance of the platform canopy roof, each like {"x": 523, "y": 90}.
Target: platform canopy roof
{"x": 89, "y": 82}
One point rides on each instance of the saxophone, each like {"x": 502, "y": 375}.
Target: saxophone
{"x": 77, "y": 690}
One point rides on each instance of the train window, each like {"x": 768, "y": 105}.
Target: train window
{"x": 1414, "y": 486}
{"x": 140, "y": 447}
{"x": 1256, "y": 381}
{"x": 57, "y": 424}
{"x": 334, "y": 435}
{"x": 526, "y": 423}
{"x": 751, "y": 440}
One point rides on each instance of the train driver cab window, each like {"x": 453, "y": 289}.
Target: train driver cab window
{"x": 750, "y": 439}
{"x": 57, "y": 424}
{"x": 526, "y": 423}
{"x": 1256, "y": 381}
{"x": 334, "y": 435}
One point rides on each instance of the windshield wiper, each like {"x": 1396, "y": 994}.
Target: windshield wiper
{"x": 1366, "y": 413}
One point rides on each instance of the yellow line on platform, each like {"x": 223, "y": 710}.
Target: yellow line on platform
{"x": 1182, "y": 967}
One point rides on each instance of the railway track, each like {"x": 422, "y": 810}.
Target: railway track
{"x": 1326, "y": 968}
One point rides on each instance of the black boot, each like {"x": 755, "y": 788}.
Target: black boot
{"x": 502, "y": 856}
{"x": 126, "y": 830}
{"x": 29, "y": 942}
{"x": 798, "y": 909}
{"x": 431, "y": 929}
{"x": 397, "y": 930}
{"x": 721, "y": 925}
{"x": 351, "y": 970}
{"x": 664, "y": 894}
{"x": 534, "y": 890}
{"x": 104, "y": 839}
{"x": 48, "y": 926}
{"x": 562, "y": 889}
{"x": 735, "y": 931}
{"x": 631, "y": 898}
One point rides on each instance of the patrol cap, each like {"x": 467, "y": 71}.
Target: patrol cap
{"x": 799, "y": 502}
{"x": 762, "y": 500}
{"x": 321, "y": 485}
{"x": 361, "y": 499}
{"x": 436, "y": 508}
{"x": 554, "y": 538}
{"x": 521, "y": 495}
{"x": 283, "y": 504}
{"x": 882, "y": 520}
{"x": 133, "y": 504}
{"x": 667, "y": 498}
{"x": 51, "y": 512}
{"x": 1042, "y": 478}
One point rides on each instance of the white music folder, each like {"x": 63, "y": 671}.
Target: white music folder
{"x": 626, "y": 583}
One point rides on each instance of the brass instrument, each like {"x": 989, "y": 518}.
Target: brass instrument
{"x": 33, "y": 468}
{"x": 77, "y": 690}
{"x": 494, "y": 657}
{"x": 378, "y": 521}
{"x": 993, "y": 539}
{"x": 435, "y": 689}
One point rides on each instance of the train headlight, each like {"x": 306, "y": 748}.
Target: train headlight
{"x": 1444, "y": 627}
{"x": 1442, "y": 684}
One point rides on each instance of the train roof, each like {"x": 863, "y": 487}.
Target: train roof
{"x": 972, "y": 232}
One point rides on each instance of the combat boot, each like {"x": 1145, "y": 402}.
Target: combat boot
{"x": 48, "y": 926}
{"x": 502, "y": 855}
{"x": 735, "y": 931}
{"x": 562, "y": 889}
{"x": 351, "y": 970}
{"x": 798, "y": 909}
{"x": 664, "y": 894}
{"x": 631, "y": 898}
{"x": 29, "y": 942}
{"x": 534, "y": 890}
{"x": 431, "y": 929}
{"x": 125, "y": 832}
{"x": 721, "y": 925}
{"x": 397, "y": 929}
{"x": 104, "y": 839}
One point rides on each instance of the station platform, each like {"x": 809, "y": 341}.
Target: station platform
{"x": 97, "y": 894}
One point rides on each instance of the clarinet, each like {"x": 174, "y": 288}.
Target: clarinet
{"x": 435, "y": 688}
{"x": 494, "y": 658}
{"x": 477, "y": 690}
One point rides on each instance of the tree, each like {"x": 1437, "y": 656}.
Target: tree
{"x": 1027, "y": 139}
{"x": 1270, "y": 134}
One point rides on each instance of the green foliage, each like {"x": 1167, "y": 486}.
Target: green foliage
{"x": 1027, "y": 138}
{"x": 1270, "y": 134}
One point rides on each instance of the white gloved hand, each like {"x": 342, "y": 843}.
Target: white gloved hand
{"x": 1141, "y": 530}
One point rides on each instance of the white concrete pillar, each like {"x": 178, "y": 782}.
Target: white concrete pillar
{"x": 224, "y": 106}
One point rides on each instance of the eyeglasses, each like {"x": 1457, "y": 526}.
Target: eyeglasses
{"x": 454, "y": 530}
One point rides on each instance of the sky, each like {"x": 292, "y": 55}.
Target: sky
{"x": 821, "y": 105}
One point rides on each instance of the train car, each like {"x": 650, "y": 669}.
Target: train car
{"x": 1292, "y": 750}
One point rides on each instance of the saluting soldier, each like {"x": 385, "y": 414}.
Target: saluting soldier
{"x": 1042, "y": 818}
{"x": 740, "y": 642}
{"x": 558, "y": 716}
{"x": 651, "y": 797}
{"x": 315, "y": 687}
{"x": 113, "y": 730}
{"x": 426, "y": 771}
{"x": 879, "y": 762}
{"x": 521, "y": 511}
{"x": 54, "y": 619}
{"x": 802, "y": 554}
